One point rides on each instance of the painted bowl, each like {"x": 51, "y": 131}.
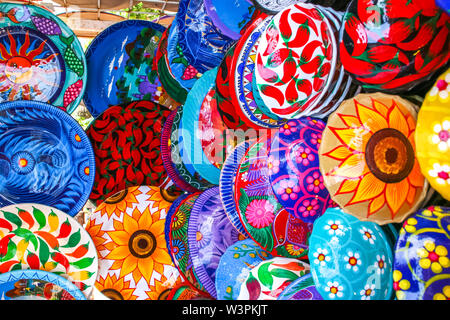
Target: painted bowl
{"x": 393, "y": 46}
{"x": 274, "y": 6}
{"x": 422, "y": 265}
{"x": 367, "y": 158}
{"x": 296, "y": 60}
{"x": 350, "y": 259}
{"x": 294, "y": 172}
{"x": 302, "y": 288}
{"x": 432, "y": 136}
{"x": 270, "y": 277}
{"x": 234, "y": 266}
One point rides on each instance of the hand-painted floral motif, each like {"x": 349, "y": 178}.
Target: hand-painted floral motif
{"x": 134, "y": 244}
{"x": 344, "y": 264}
{"x": 368, "y": 159}
{"x": 302, "y": 288}
{"x": 422, "y": 264}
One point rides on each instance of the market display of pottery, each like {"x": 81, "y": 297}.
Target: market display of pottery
{"x": 250, "y": 150}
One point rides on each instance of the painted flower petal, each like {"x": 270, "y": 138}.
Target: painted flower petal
{"x": 396, "y": 194}
{"x": 398, "y": 121}
{"x": 370, "y": 118}
{"x": 369, "y": 187}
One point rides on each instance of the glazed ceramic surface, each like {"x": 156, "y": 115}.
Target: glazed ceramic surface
{"x": 367, "y": 158}
{"x": 422, "y": 265}
{"x": 227, "y": 183}
{"x": 210, "y": 233}
{"x": 263, "y": 217}
{"x": 45, "y": 157}
{"x": 41, "y": 58}
{"x": 350, "y": 259}
{"x": 38, "y": 237}
{"x": 120, "y": 65}
{"x": 294, "y": 171}
{"x": 128, "y": 232}
{"x": 229, "y": 17}
{"x": 274, "y": 6}
{"x": 270, "y": 277}
{"x": 127, "y": 146}
{"x": 302, "y": 288}
{"x": 393, "y": 46}
{"x": 295, "y": 60}
{"x": 432, "y": 136}
{"x": 190, "y": 128}
{"x": 37, "y": 285}
{"x": 235, "y": 265}
{"x": 179, "y": 245}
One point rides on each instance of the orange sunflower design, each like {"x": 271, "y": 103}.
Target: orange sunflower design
{"x": 367, "y": 158}
{"x": 158, "y": 195}
{"x": 97, "y": 235}
{"x": 138, "y": 245}
{"x": 119, "y": 202}
{"x": 115, "y": 289}
{"x": 161, "y": 289}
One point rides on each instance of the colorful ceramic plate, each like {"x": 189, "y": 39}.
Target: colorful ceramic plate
{"x": 190, "y": 132}
{"x": 39, "y": 237}
{"x": 119, "y": 62}
{"x": 295, "y": 60}
{"x": 227, "y": 183}
{"x": 180, "y": 250}
{"x": 127, "y": 146}
{"x": 235, "y": 265}
{"x": 229, "y": 17}
{"x": 41, "y": 58}
{"x": 367, "y": 158}
{"x": 274, "y": 6}
{"x": 183, "y": 167}
{"x": 200, "y": 42}
{"x": 210, "y": 233}
{"x": 432, "y": 136}
{"x": 167, "y": 227}
{"x": 294, "y": 171}
{"x": 270, "y": 277}
{"x": 395, "y": 46}
{"x": 45, "y": 157}
{"x": 302, "y": 288}
{"x": 128, "y": 232}
{"x": 243, "y": 67}
{"x": 185, "y": 291}
{"x": 263, "y": 217}
{"x": 37, "y": 285}
{"x": 166, "y": 154}
{"x": 421, "y": 269}
{"x": 350, "y": 259}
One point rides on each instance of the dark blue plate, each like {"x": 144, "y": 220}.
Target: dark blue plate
{"x": 120, "y": 65}
{"x": 45, "y": 157}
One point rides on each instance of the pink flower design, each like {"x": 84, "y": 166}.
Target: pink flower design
{"x": 273, "y": 165}
{"x": 288, "y": 189}
{"x": 316, "y": 138}
{"x": 288, "y": 128}
{"x": 303, "y": 156}
{"x": 315, "y": 182}
{"x": 259, "y": 213}
{"x": 309, "y": 208}
{"x": 316, "y": 123}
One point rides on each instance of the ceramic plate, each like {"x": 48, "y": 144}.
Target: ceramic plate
{"x": 167, "y": 227}
{"x": 210, "y": 233}
{"x": 263, "y": 217}
{"x": 432, "y": 136}
{"x": 179, "y": 241}
{"x": 227, "y": 183}
{"x": 37, "y": 285}
{"x": 127, "y": 145}
{"x": 45, "y": 157}
{"x": 39, "y": 237}
{"x": 274, "y": 6}
{"x": 367, "y": 158}
{"x": 201, "y": 43}
{"x": 350, "y": 259}
{"x": 41, "y": 58}
{"x": 190, "y": 131}
{"x": 270, "y": 277}
{"x": 235, "y": 265}
{"x": 295, "y": 60}
{"x": 128, "y": 232}
{"x": 229, "y": 17}
{"x": 294, "y": 171}
{"x": 302, "y": 288}
{"x": 421, "y": 265}
{"x": 119, "y": 62}
{"x": 391, "y": 55}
